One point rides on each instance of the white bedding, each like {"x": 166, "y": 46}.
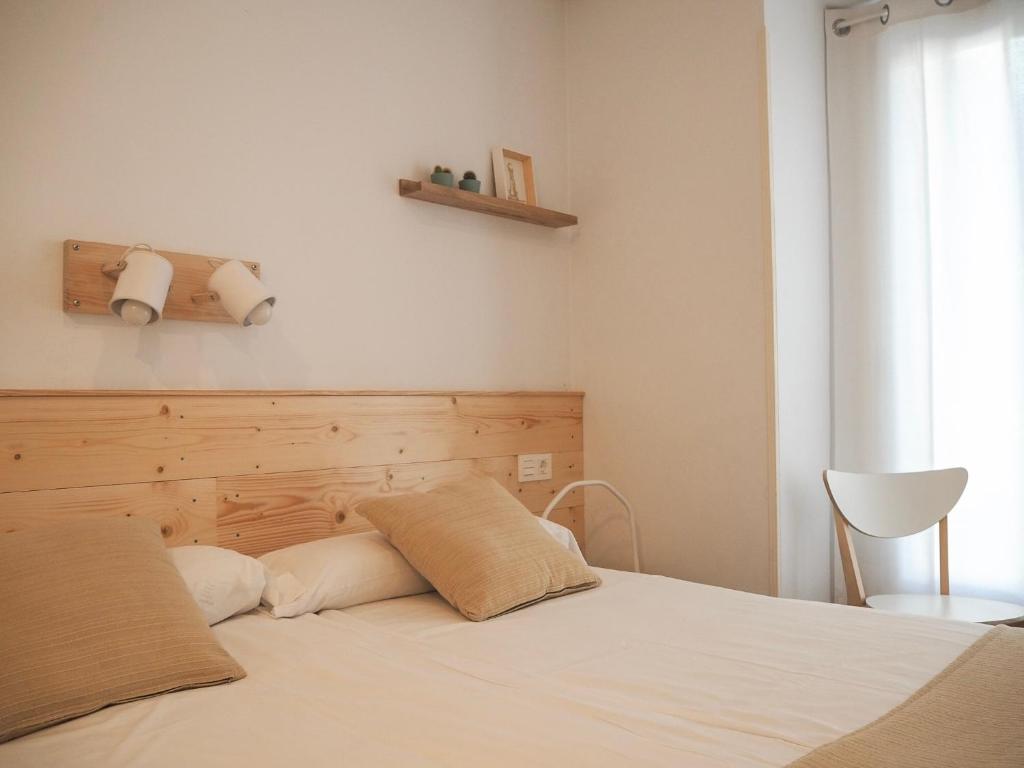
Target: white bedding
{"x": 643, "y": 671}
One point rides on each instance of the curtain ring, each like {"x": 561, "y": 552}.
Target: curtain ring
{"x": 884, "y": 18}
{"x": 943, "y": 3}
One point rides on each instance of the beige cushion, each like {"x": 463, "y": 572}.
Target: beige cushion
{"x": 479, "y": 547}
{"x": 94, "y": 613}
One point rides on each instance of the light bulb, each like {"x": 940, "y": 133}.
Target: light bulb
{"x": 136, "y": 312}
{"x": 261, "y": 313}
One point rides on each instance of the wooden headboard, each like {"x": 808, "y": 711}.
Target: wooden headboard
{"x": 259, "y": 470}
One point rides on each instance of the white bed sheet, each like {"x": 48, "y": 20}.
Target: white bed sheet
{"x": 643, "y": 671}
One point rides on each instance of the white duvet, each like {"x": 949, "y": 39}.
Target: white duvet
{"x": 643, "y": 671}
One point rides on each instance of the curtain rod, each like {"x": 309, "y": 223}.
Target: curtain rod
{"x": 842, "y": 27}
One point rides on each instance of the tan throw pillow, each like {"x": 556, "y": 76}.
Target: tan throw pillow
{"x": 479, "y": 547}
{"x": 94, "y": 613}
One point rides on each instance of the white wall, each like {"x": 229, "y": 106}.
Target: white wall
{"x": 799, "y": 152}
{"x": 277, "y": 132}
{"x": 672, "y": 286}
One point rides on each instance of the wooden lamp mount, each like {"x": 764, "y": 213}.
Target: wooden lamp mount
{"x": 91, "y": 271}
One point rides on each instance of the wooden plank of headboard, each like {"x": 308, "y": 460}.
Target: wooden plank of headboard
{"x": 256, "y": 471}
{"x": 62, "y": 441}
{"x": 185, "y": 509}
{"x": 573, "y": 519}
{"x": 260, "y": 513}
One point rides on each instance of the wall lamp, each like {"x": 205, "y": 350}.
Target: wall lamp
{"x": 143, "y": 279}
{"x": 142, "y": 286}
{"x": 242, "y": 294}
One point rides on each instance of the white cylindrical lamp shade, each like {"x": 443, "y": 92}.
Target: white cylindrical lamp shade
{"x": 241, "y": 293}
{"x": 143, "y": 284}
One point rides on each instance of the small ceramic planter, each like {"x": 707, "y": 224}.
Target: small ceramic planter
{"x": 444, "y": 179}
{"x": 470, "y": 185}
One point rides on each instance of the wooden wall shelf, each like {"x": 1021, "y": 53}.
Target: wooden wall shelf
{"x": 493, "y": 206}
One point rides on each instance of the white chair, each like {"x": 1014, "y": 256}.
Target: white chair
{"x": 890, "y": 506}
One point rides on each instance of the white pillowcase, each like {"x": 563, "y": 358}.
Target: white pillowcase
{"x": 357, "y": 568}
{"x": 563, "y": 536}
{"x": 338, "y": 572}
{"x": 222, "y": 582}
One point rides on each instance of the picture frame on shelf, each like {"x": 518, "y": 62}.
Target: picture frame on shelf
{"x": 513, "y": 176}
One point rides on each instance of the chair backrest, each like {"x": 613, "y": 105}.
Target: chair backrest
{"x": 889, "y": 506}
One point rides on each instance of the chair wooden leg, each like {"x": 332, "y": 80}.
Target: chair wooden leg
{"x": 944, "y": 555}
{"x": 851, "y": 570}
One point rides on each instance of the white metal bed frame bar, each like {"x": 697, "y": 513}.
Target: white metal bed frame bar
{"x": 611, "y": 489}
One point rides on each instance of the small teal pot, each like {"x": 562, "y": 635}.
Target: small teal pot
{"x": 444, "y": 179}
{"x": 470, "y": 185}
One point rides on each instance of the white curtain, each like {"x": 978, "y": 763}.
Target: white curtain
{"x": 926, "y": 131}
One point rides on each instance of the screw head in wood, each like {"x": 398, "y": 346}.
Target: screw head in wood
{"x": 252, "y": 267}
{"x": 76, "y": 302}
{"x": 75, "y": 247}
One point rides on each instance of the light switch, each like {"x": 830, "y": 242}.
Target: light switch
{"x": 534, "y": 466}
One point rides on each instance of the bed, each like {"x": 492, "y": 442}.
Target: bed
{"x": 640, "y": 671}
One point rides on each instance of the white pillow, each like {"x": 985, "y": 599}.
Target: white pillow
{"x": 338, "y": 572}
{"x": 343, "y": 571}
{"x": 222, "y": 582}
{"x": 563, "y": 536}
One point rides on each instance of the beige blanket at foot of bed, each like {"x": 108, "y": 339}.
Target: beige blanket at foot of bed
{"x": 970, "y": 714}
